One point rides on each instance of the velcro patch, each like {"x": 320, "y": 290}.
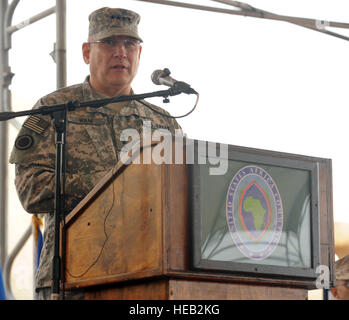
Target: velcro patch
{"x": 24, "y": 142}
{"x": 36, "y": 124}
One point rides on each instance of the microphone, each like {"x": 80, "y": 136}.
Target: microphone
{"x": 162, "y": 77}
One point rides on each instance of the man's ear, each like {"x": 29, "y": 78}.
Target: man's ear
{"x": 86, "y": 52}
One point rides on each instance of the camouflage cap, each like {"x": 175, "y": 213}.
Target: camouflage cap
{"x": 107, "y": 22}
{"x": 342, "y": 268}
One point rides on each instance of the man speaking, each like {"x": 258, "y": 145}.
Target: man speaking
{"x": 93, "y": 143}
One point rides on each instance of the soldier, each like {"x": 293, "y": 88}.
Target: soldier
{"x": 93, "y": 139}
{"x": 341, "y": 290}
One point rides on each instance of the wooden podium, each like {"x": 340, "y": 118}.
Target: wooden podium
{"x": 130, "y": 238}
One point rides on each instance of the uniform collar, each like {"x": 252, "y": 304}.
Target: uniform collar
{"x": 129, "y": 107}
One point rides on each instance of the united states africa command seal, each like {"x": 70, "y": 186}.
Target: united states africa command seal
{"x": 254, "y": 212}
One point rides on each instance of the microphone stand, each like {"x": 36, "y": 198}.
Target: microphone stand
{"x": 59, "y": 115}
{"x": 59, "y": 123}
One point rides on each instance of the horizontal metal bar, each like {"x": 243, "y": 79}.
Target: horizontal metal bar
{"x": 249, "y": 11}
{"x": 269, "y": 15}
{"x": 196, "y": 7}
{"x": 24, "y": 23}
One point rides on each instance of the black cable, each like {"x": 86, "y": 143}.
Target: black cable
{"x": 168, "y": 116}
{"x": 105, "y": 240}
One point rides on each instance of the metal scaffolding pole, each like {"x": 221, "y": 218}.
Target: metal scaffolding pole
{"x": 61, "y": 47}
{"x": 4, "y": 98}
{"x": 247, "y": 10}
{"x": 6, "y": 31}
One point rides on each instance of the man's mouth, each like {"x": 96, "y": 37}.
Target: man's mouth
{"x": 118, "y": 67}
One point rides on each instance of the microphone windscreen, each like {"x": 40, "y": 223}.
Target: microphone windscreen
{"x": 155, "y": 76}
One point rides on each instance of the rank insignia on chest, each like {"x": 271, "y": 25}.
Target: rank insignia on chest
{"x": 85, "y": 120}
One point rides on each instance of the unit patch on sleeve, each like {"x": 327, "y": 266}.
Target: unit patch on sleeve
{"x": 24, "y": 142}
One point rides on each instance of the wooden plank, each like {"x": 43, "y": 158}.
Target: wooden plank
{"x": 146, "y": 290}
{"x": 119, "y": 233}
{"x": 323, "y": 204}
{"x": 325, "y": 255}
{"x": 200, "y": 290}
{"x": 330, "y": 221}
{"x": 179, "y": 289}
{"x": 177, "y": 216}
{"x": 216, "y": 276}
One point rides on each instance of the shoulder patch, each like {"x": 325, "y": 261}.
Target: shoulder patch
{"x": 36, "y": 124}
{"x": 24, "y": 142}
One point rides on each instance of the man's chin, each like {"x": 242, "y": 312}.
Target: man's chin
{"x": 121, "y": 88}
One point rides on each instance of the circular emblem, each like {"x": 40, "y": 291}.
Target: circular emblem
{"x": 24, "y": 142}
{"x": 254, "y": 212}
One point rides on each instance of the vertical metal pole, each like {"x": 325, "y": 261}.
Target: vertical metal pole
{"x": 61, "y": 49}
{"x": 4, "y": 98}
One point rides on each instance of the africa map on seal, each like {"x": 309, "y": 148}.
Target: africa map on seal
{"x": 254, "y": 212}
{"x": 258, "y": 212}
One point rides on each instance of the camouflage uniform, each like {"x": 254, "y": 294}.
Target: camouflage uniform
{"x": 92, "y": 149}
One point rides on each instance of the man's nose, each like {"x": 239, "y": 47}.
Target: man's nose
{"x": 119, "y": 49}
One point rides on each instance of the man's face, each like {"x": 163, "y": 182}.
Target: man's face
{"x": 113, "y": 64}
